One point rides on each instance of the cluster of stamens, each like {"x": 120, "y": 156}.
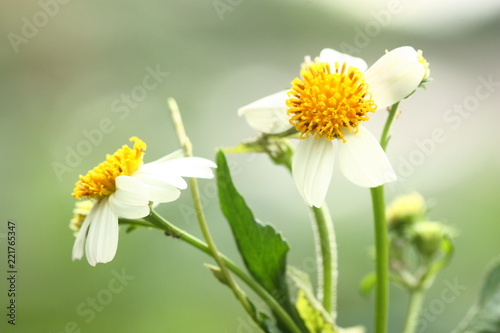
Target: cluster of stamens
{"x": 100, "y": 181}
{"x": 329, "y": 105}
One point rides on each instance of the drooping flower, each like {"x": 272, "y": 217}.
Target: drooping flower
{"x": 122, "y": 186}
{"x": 328, "y": 103}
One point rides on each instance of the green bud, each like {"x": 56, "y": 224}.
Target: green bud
{"x": 280, "y": 151}
{"x": 428, "y": 236}
{"x": 405, "y": 210}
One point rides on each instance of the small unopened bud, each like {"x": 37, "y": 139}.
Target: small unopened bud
{"x": 428, "y": 236}
{"x": 405, "y": 210}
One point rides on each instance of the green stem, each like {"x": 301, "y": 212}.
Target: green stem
{"x": 384, "y": 140}
{"x": 416, "y": 300}
{"x": 164, "y": 225}
{"x": 202, "y": 222}
{"x": 382, "y": 260}
{"x": 381, "y": 242}
{"x": 328, "y": 251}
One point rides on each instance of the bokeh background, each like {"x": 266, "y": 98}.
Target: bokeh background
{"x": 67, "y": 67}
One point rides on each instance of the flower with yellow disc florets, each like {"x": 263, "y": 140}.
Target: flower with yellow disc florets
{"x": 123, "y": 186}
{"x": 334, "y": 95}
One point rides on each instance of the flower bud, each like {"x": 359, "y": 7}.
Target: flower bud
{"x": 428, "y": 236}
{"x": 405, "y": 210}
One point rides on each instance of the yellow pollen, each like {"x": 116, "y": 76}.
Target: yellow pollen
{"x": 100, "y": 181}
{"x": 424, "y": 62}
{"x": 329, "y": 105}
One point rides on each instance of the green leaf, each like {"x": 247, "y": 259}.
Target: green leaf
{"x": 314, "y": 319}
{"x": 263, "y": 249}
{"x": 484, "y": 317}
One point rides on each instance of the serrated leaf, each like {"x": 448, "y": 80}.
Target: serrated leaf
{"x": 485, "y": 315}
{"x": 313, "y": 318}
{"x": 262, "y": 248}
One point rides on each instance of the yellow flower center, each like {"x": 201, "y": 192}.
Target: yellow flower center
{"x": 329, "y": 105}
{"x": 100, "y": 181}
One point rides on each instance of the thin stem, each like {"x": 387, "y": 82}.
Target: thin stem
{"x": 328, "y": 252}
{"x": 160, "y": 223}
{"x": 381, "y": 241}
{"x": 384, "y": 140}
{"x": 414, "y": 308}
{"x": 202, "y": 222}
{"x": 382, "y": 260}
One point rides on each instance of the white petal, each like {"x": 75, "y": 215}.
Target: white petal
{"x": 394, "y": 76}
{"x": 312, "y": 167}
{"x": 160, "y": 188}
{"x": 268, "y": 114}
{"x": 160, "y": 170}
{"x": 363, "y": 161}
{"x": 172, "y": 156}
{"x": 102, "y": 239}
{"x": 197, "y": 167}
{"x": 332, "y": 56}
{"x": 79, "y": 245}
{"x": 131, "y": 198}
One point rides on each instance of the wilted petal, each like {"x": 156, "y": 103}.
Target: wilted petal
{"x": 363, "y": 161}
{"x": 312, "y": 167}
{"x": 332, "y": 56}
{"x": 394, "y": 76}
{"x": 268, "y": 114}
{"x": 131, "y": 198}
{"x": 102, "y": 238}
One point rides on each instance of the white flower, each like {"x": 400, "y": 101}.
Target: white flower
{"x": 329, "y": 102}
{"x": 123, "y": 187}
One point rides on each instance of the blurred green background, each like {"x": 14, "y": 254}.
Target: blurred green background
{"x": 67, "y": 67}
